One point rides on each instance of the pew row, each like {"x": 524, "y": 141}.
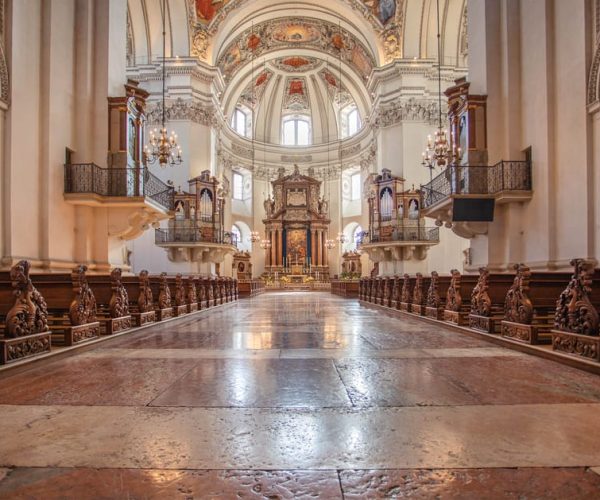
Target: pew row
{"x": 41, "y": 310}
{"x": 527, "y": 307}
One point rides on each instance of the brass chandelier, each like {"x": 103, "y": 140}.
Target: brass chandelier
{"x": 163, "y": 146}
{"x": 438, "y": 153}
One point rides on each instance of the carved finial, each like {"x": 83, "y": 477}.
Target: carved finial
{"x": 29, "y": 314}
{"x": 119, "y": 301}
{"x": 83, "y": 306}
{"x": 574, "y": 309}
{"x": 164, "y": 296}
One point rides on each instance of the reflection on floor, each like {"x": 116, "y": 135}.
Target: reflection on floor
{"x": 300, "y": 395}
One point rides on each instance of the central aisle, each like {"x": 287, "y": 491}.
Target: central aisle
{"x": 299, "y": 394}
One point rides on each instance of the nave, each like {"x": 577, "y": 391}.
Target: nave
{"x": 299, "y": 394}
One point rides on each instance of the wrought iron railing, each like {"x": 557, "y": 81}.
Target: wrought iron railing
{"x": 122, "y": 182}
{"x": 484, "y": 180}
{"x": 429, "y": 234}
{"x": 186, "y": 235}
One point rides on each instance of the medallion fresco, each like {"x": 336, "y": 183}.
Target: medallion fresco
{"x": 296, "y": 32}
{"x": 206, "y": 10}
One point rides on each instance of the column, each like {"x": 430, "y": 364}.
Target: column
{"x": 280, "y": 247}
{"x": 272, "y": 251}
{"x": 320, "y": 247}
{"x": 313, "y": 246}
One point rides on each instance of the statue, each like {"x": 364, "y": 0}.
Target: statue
{"x": 269, "y": 205}
{"x": 323, "y": 206}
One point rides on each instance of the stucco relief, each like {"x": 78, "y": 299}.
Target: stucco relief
{"x": 182, "y": 110}
{"x": 407, "y": 110}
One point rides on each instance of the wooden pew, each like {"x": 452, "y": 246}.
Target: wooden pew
{"x": 436, "y": 295}
{"x": 419, "y": 298}
{"x": 112, "y": 301}
{"x": 396, "y": 292}
{"x": 141, "y": 298}
{"x": 487, "y": 301}
{"x": 23, "y": 316}
{"x": 179, "y": 297}
{"x": 192, "y": 293}
{"x": 577, "y": 320}
{"x": 161, "y": 290}
{"x": 71, "y": 306}
{"x": 530, "y": 305}
{"x": 406, "y": 293}
{"x": 458, "y": 298}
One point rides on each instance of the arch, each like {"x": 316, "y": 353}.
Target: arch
{"x": 351, "y": 232}
{"x": 244, "y": 244}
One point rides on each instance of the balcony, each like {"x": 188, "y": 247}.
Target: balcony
{"x": 404, "y": 243}
{"x": 194, "y": 245}
{"x": 464, "y": 197}
{"x": 136, "y": 198}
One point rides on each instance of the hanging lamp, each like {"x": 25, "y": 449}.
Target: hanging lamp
{"x": 163, "y": 146}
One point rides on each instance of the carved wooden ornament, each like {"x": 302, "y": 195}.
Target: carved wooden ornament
{"x": 83, "y": 306}
{"x": 574, "y": 311}
{"x": 517, "y": 305}
{"x": 481, "y": 304}
{"x": 29, "y": 314}
{"x": 145, "y": 298}
{"x": 406, "y": 289}
{"x": 119, "y": 301}
{"x": 418, "y": 291}
{"x": 164, "y": 296}
{"x": 453, "y": 296}
{"x": 179, "y": 291}
{"x": 433, "y": 295}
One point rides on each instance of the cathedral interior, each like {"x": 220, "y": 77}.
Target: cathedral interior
{"x": 272, "y": 249}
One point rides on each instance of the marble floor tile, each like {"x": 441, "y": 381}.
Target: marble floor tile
{"x": 455, "y": 381}
{"x": 264, "y": 383}
{"x": 420, "y": 339}
{"x": 88, "y": 381}
{"x": 472, "y": 484}
{"x": 110, "y": 484}
{"x": 564, "y": 435}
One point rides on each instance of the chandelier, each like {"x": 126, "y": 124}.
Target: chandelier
{"x": 254, "y": 236}
{"x": 163, "y": 146}
{"x": 265, "y": 244}
{"x": 329, "y": 244}
{"x": 342, "y": 238}
{"x": 438, "y": 153}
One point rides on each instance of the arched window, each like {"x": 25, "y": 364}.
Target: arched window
{"x": 237, "y": 235}
{"x": 357, "y": 236}
{"x": 241, "y": 122}
{"x": 350, "y": 120}
{"x": 296, "y": 131}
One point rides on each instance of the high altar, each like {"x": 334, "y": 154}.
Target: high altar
{"x": 296, "y": 224}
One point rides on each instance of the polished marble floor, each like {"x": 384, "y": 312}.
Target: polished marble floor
{"x": 299, "y": 395}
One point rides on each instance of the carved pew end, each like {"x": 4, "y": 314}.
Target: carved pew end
{"x": 585, "y": 346}
{"x": 529, "y": 334}
{"x": 143, "y": 318}
{"x": 434, "y": 312}
{"x": 18, "y": 348}
{"x": 459, "y": 318}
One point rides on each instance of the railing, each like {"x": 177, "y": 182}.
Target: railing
{"x": 429, "y": 234}
{"x": 458, "y": 179}
{"x": 124, "y": 182}
{"x": 178, "y": 235}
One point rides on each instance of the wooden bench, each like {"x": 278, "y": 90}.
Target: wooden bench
{"x": 458, "y": 298}
{"x": 530, "y": 305}
{"x": 71, "y": 306}
{"x": 112, "y": 302}
{"x": 161, "y": 290}
{"x": 487, "y": 301}
{"x": 250, "y": 288}
{"x": 345, "y": 288}
{"x": 23, "y": 316}
{"x": 436, "y": 295}
{"x": 576, "y": 320}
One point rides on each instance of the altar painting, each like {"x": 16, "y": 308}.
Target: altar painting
{"x": 296, "y": 245}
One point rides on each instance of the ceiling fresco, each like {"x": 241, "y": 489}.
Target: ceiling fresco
{"x": 277, "y": 34}
{"x": 254, "y": 91}
{"x": 296, "y": 64}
